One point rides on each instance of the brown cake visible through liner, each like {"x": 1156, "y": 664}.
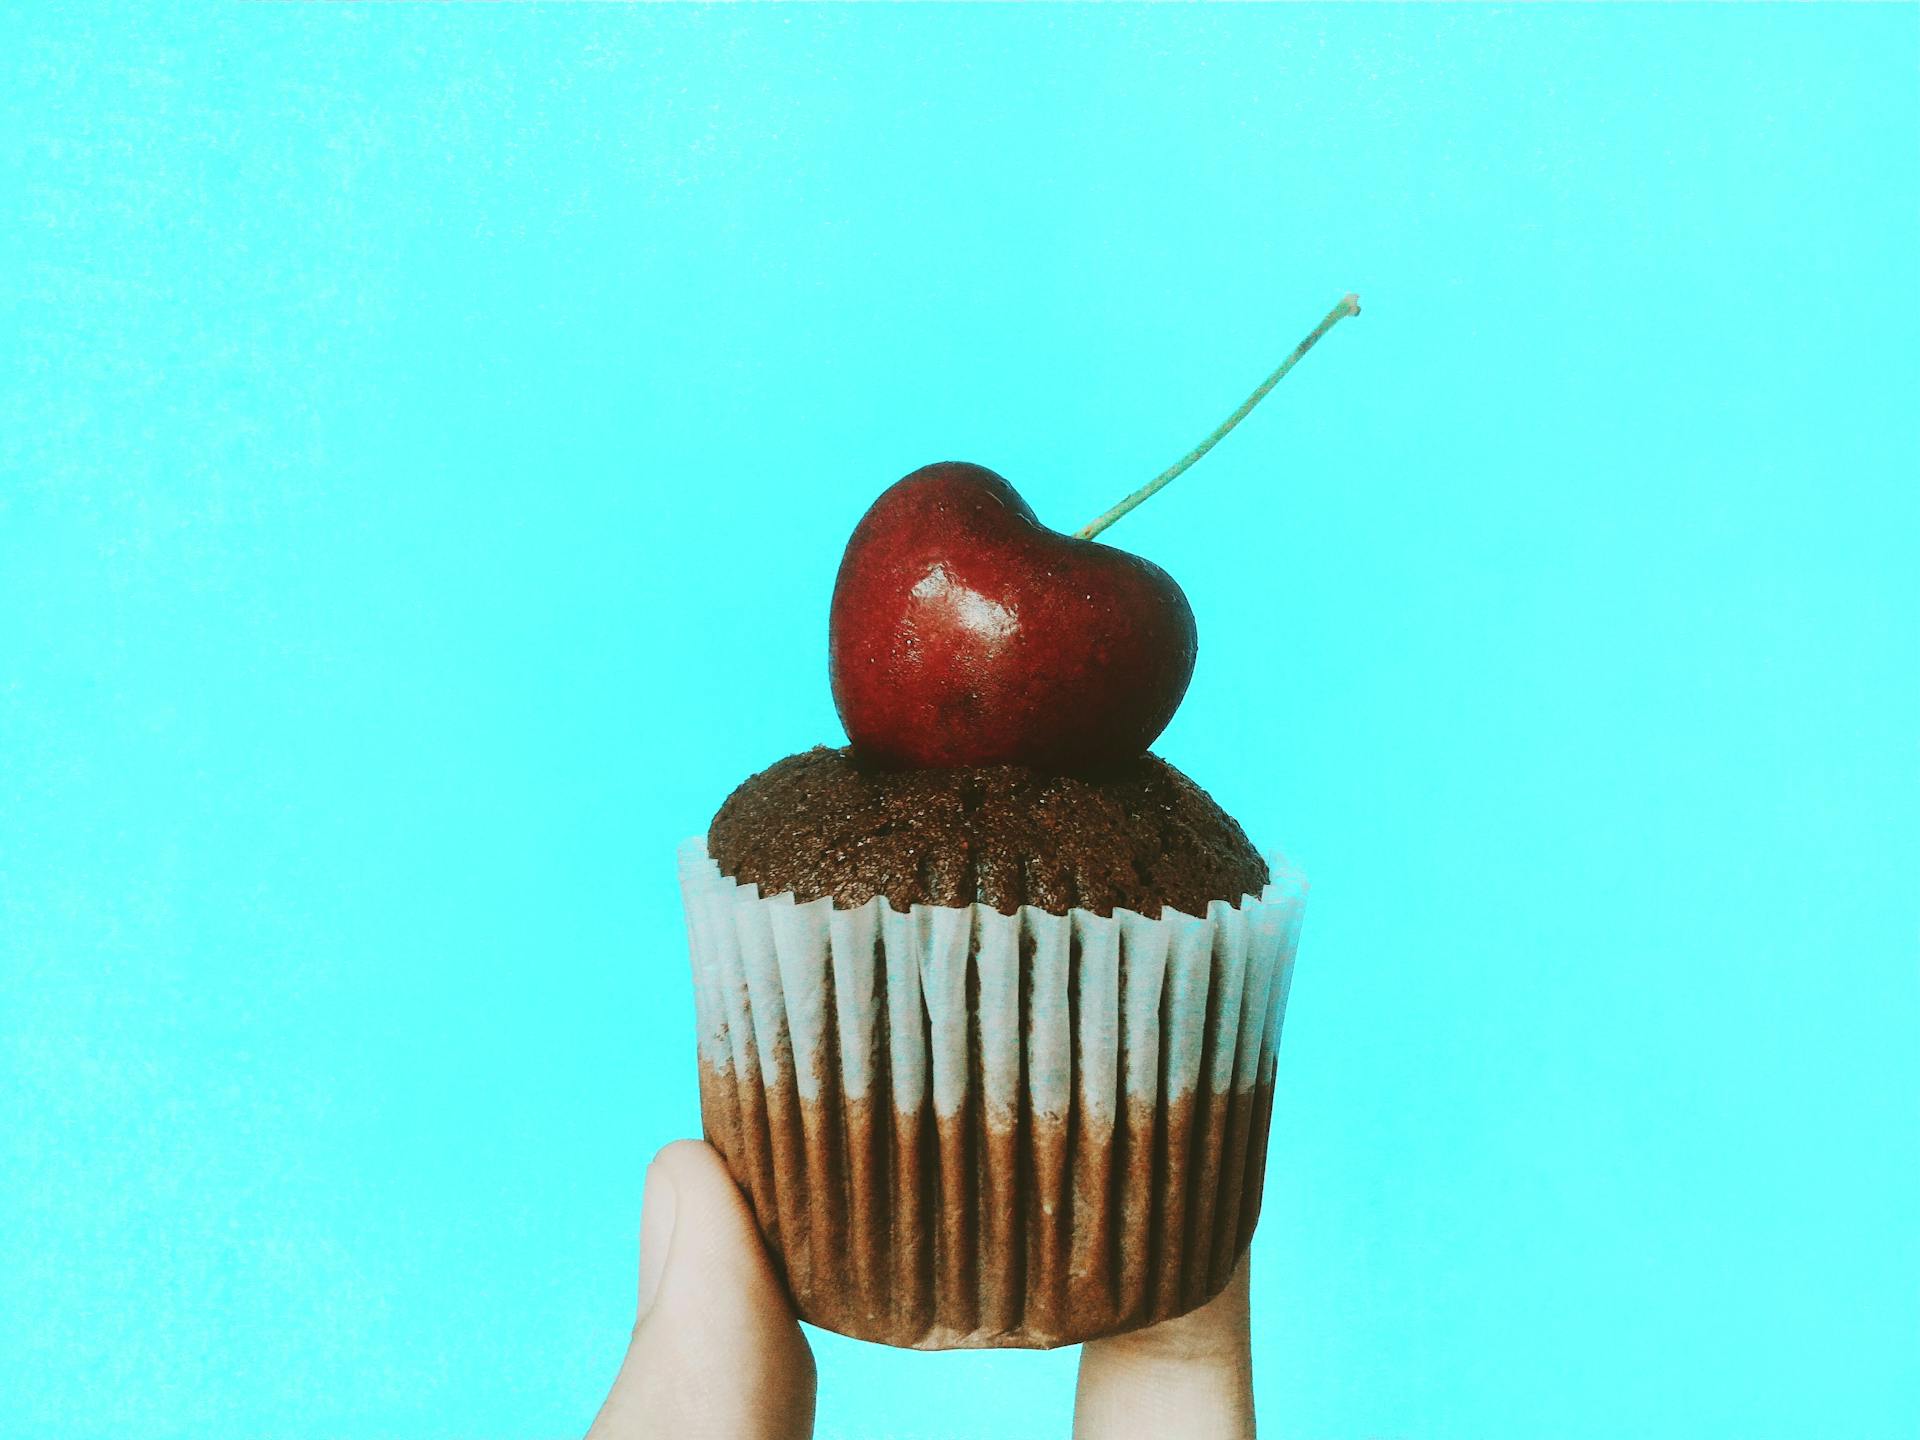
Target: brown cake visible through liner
{"x": 866, "y": 1255}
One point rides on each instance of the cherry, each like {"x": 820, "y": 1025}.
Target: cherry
{"x": 964, "y": 632}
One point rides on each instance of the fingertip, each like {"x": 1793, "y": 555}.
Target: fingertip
{"x": 716, "y": 1349}
{"x": 687, "y": 1156}
{"x": 1191, "y": 1375}
{"x": 718, "y": 1231}
{"x": 682, "y": 1150}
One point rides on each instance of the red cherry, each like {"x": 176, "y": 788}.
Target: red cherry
{"x": 964, "y": 632}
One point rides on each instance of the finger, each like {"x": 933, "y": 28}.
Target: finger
{"x": 1189, "y": 1378}
{"x": 716, "y": 1352}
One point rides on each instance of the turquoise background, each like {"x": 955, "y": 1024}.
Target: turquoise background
{"x": 426, "y": 443}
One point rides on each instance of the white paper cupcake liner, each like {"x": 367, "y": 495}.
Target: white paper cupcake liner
{"x": 963, "y": 1128}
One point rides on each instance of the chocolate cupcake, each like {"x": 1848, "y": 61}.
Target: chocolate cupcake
{"x": 988, "y": 1036}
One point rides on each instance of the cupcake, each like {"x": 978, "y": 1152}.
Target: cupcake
{"x": 989, "y": 999}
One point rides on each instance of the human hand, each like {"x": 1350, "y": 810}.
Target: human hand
{"x": 717, "y": 1354}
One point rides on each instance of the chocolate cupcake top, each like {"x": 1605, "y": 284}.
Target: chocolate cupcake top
{"x": 1142, "y": 838}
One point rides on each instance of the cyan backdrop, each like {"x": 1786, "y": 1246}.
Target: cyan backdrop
{"x": 426, "y": 442}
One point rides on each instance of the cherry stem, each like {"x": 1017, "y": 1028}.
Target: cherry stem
{"x": 1349, "y": 305}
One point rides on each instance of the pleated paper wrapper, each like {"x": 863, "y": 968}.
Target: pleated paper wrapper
{"x": 963, "y": 1128}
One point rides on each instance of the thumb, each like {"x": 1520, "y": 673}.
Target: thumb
{"x": 716, "y": 1352}
{"x": 1189, "y": 1378}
